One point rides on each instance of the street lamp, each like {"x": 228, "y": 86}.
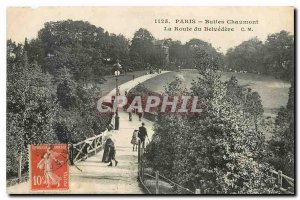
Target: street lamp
{"x": 117, "y": 73}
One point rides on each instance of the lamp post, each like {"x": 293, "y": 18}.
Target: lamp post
{"x": 117, "y": 73}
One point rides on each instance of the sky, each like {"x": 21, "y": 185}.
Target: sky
{"x": 26, "y": 22}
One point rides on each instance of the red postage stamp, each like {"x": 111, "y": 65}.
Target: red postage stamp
{"x": 49, "y": 168}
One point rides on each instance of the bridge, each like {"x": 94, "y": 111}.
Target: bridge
{"x": 92, "y": 176}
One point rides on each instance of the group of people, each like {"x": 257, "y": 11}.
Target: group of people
{"x": 109, "y": 143}
{"x": 139, "y": 136}
{"x": 131, "y": 110}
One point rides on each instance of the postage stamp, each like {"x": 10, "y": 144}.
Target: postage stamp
{"x": 49, "y": 168}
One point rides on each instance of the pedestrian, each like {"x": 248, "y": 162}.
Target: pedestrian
{"x": 135, "y": 139}
{"x": 105, "y": 147}
{"x": 129, "y": 110}
{"x": 111, "y": 142}
{"x": 140, "y": 114}
{"x": 108, "y": 142}
{"x": 132, "y": 77}
{"x": 117, "y": 121}
{"x": 142, "y": 134}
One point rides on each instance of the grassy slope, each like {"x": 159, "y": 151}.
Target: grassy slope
{"x": 273, "y": 92}
{"x": 110, "y": 82}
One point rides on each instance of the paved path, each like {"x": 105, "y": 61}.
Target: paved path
{"x": 97, "y": 177}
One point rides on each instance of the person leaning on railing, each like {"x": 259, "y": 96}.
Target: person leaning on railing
{"x": 108, "y": 143}
{"x": 104, "y": 146}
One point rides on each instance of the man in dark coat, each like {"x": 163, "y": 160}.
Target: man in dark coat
{"x": 142, "y": 134}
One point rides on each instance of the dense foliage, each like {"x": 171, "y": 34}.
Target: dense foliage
{"x": 47, "y": 100}
{"x": 273, "y": 57}
{"x": 184, "y": 55}
{"x": 31, "y": 106}
{"x": 282, "y": 144}
{"x": 52, "y": 89}
{"x": 220, "y": 150}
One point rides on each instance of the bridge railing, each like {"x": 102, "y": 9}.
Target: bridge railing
{"x": 77, "y": 152}
{"x": 17, "y": 180}
{"x": 158, "y": 178}
{"x": 82, "y": 150}
{"x": 285, "y": 183}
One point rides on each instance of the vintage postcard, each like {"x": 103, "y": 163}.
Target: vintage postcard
{"x": 150, "y": 100}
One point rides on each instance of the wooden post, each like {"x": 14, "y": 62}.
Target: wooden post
{"x": 198, "y": 191}
{"x": 20, "y": 167}
{"x": 280, "y": 179}
{"x": 142, "y": 169}
{"x": 139, "y": 151}
{"x": 96, "y": 142}
{"x": 139, "y": 157}
{"x": 71, "y": 155}
{"x": 142, "y": 152}
{"x": 157, "y": 182}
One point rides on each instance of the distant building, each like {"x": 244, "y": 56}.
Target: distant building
{"x": 162, "y": 47}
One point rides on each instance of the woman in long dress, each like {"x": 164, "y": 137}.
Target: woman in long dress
{"x": 106, "y": 134}
{"x": 105, "y": 146}
{"x": 112, "y": 150}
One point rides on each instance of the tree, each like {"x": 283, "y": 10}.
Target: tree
{"x": 235, "y": 93}
{"x": 248, "y": 56}
{"x": 273, "y": 57}
{"x": 280, "y": 55}
{"x": 66, "y": 90}
{"x": 31, "y": 107}
{"x": 202, "y": 54}
{"x": 162, "y": 151}
{"x": 77, "y": 117}
{"x": 214, "y": 149}
{"x": 244, "y": 99}
{"x": 118, "y": 48}
{"x": 282, "y": 144}
{"x": 81, "y": 47}
{"x": 177, "y": 53}
{"x": 142, "y": 49}
{"x": 253, "y": 107}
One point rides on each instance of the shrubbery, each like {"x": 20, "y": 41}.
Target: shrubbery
{"x": 220, "y": 150}
{"x": 43, "y": 111}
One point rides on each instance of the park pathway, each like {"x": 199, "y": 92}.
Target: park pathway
{"x": 96, "y": 177}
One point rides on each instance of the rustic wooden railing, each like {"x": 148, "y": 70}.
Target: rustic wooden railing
{"x": 17, "y": 180}
{"x": 82, "y": 150}
{"x": 285, "y": 183}
{"x": 77, "y": 152}
{"x": 142, "y": 174}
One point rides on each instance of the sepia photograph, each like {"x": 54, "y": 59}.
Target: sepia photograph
{"x": 150, "y": 100}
